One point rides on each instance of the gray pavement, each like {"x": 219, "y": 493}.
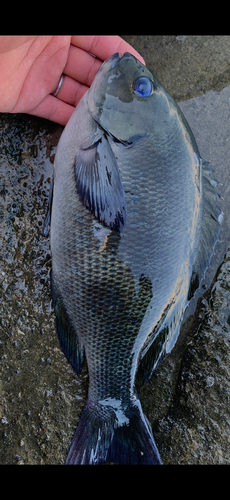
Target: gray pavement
{"x": 41, "y": 398}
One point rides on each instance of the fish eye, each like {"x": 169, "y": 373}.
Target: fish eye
{"x": 143, "y": 86}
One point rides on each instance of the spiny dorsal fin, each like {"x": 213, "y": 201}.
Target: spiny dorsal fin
{"x": 211, "y": 219}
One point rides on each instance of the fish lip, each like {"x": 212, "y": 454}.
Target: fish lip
{"x": 117, "y": 57}
{"x": 110, "y": 63}
{"x": 114, "y": 59}
{"x": 127, "y": 55}
{"x": 120, "y": 57}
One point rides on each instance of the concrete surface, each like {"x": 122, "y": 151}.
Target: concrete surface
{"x": 41, "y": 398}
{"x": 186, "y": 65}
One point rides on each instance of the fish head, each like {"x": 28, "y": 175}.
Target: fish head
{"x": 126, "y": 99}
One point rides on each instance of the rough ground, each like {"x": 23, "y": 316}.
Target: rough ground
{"x": 41, "y": 398}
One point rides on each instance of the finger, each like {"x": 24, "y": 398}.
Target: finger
{"x": 81, "y": 66}
{"x": 71, "y": 91}
{"x": 104, "y": 46}
{"x": 53, "y": 109}
{"x": 11, "y": 42}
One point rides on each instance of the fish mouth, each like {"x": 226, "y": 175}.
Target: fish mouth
{"x": 110, "y": 63}
{"x": 113, "y": 60}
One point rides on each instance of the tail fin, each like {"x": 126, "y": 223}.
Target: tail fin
{"x": 105, "y": 434}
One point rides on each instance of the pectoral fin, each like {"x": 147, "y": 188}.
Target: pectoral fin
{"x": 99, "y": 184}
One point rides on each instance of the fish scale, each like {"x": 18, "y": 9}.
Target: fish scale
{"x": 128, "y": 249}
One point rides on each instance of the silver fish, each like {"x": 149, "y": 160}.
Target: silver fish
{"x": 133, "y": 226}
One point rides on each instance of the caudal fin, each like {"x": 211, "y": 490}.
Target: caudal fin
{"x": 105, "y": 434}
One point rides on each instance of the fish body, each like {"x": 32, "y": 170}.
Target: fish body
{"x": 132, "y": 233}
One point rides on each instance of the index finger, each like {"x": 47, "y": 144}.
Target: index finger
{"x": 103, "y": 46}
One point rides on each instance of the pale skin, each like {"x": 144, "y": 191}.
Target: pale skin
{"x": 31, "y": 67}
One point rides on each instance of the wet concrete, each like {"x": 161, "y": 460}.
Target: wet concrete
{"x": 41, "y": 398}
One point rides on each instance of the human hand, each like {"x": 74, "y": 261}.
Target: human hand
{"x": 31, "y": 67}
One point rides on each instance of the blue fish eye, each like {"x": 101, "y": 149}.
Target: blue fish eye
{"x": 143, "y": 86}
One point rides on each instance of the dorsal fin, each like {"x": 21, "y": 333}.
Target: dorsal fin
{"x": 211, "y": 219}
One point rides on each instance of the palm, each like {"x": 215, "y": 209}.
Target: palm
{"x": 30, "y": 69}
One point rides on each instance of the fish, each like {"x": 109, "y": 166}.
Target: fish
{"x": 134, "y": 218}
